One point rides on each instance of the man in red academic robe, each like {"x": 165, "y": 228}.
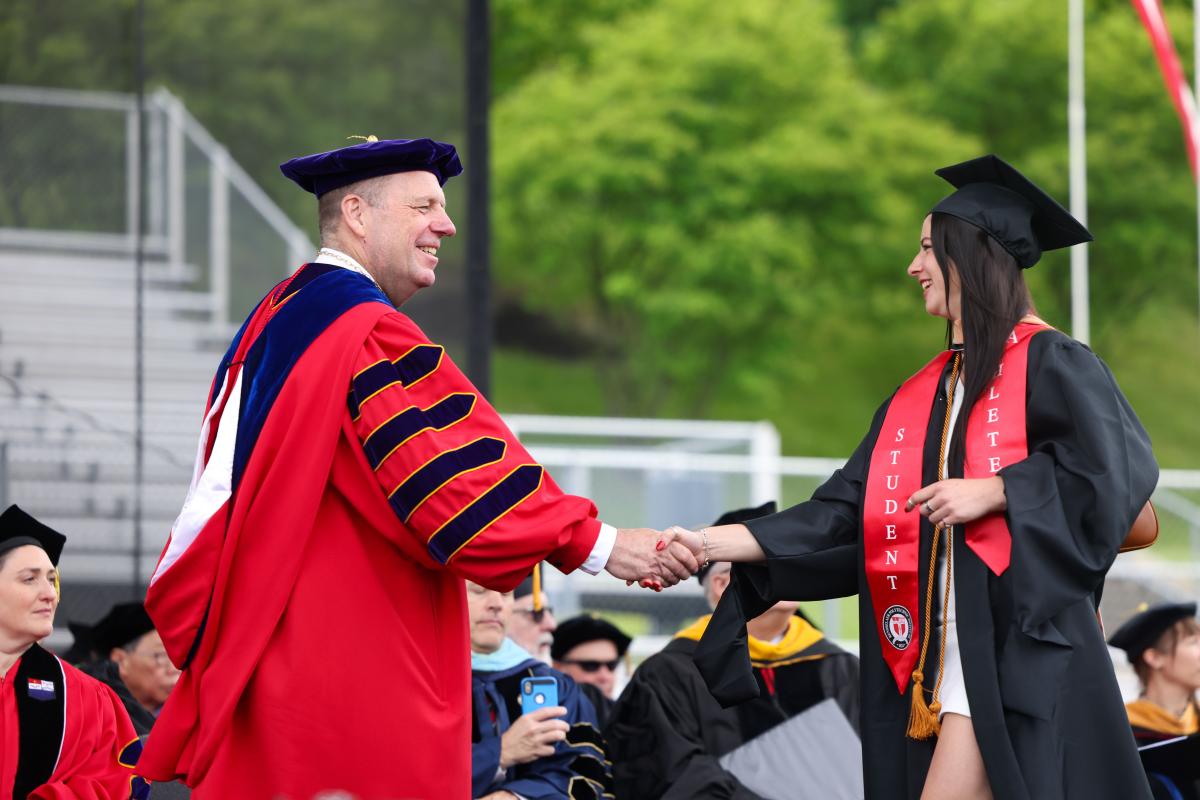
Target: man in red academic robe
{"x": 349, "y": 477}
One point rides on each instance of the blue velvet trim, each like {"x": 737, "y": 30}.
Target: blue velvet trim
{"x": 331, "y": 292}
{"x": 489, "y": 507}
{"x": 418, "y": 363}
{"x": 408, "y": 423}
{"x": 441, "y": 470}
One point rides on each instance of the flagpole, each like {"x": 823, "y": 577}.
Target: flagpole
{"x": 1077, "y": 127}
{"x": 1196, "y": 134}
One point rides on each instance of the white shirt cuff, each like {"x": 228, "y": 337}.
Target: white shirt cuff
{"x": 601, "y": 550}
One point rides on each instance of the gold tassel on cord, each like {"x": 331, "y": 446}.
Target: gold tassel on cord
{"x": 923, "y": 721}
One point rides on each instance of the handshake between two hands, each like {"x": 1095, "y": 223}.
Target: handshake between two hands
{"x": 656, "y": 558}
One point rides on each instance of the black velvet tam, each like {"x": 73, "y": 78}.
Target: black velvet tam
{"x": 324, "y": 172}
{"x": 993, "y": 196}
{"x": 18, "y": 529}
{"x": 1142, "y": 630}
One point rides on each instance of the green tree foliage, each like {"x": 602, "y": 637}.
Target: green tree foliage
{"x": 271, "y": 79}
{"x": 701, "y": 190}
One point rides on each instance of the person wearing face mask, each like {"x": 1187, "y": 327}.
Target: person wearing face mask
{"x": 519, "y": 753}
{"x": 63, "y": 734}
{"x": 533, "y": 623}
{"x": 976, "y": 522}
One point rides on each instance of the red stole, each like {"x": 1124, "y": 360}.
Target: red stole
{"x": 995, "y": 438}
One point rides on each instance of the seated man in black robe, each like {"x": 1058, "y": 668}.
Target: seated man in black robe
{"x": 667, "y": 732}
{"x": 589, "y": 650}
{"x": 552, "y": 752}
{"x": 131, "y": 661}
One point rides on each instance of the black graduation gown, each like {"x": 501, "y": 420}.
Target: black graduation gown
{"x": 667, "y": 731}
{"x": 1044, "y": 700}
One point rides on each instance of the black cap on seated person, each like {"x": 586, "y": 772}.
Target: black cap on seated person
{"x": 323, "y": 172}
{"x": 1142, "y": 630}
{"x": 586, "y": 628}
{"x": 734, "y": 517}
{"x": 18, "y": 529}
{"x": 124, "y": 623}
{"x": 994, "y": 197}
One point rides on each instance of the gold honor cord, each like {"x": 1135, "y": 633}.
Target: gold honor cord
{"x": 923, "y": 719}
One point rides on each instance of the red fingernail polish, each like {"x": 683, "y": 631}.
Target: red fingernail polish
{"x": 661, "y": 544}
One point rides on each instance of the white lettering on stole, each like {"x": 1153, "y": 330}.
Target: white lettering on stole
{"x": 993, "y": 394}
{"x": 900, "y": 434}
{"x": 890, "y": 556}
{"x": 892, "y": 580}
{"x": 890, "y": 507}
{"x": 992, "y": 437}
{"x": 1000, "y": 369}
{"x": 891, "y": 532}
{"x": 895, "y": 455}
{"x": 993, "y": 415}
{"x": 893, "y": 481}
{"x": 1012, "y": 337}
{"x": 994, "y": 462}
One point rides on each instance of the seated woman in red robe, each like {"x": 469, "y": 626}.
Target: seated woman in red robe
{"x": 62, "y": 734}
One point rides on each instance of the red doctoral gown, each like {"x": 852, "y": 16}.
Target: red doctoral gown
{"x": 63, "y": 734}
{"x": 313, "y": 585}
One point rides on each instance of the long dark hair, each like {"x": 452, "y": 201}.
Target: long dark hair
{"x": 994, "y": 298}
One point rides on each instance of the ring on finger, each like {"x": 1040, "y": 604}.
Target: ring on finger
{"x": 928, "y": 508}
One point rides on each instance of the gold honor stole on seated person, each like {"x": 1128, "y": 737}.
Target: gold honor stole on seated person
{"x": 995, "y": 438}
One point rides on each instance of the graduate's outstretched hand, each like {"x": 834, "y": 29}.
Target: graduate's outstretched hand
{"x": 956, "y": 501}
{"x": 652, "y": 558}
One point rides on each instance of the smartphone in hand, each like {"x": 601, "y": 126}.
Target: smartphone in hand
{"x": 538, "y": 693}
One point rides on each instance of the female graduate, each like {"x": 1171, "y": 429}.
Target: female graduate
{"x": 62, "y": 733}
{"x": 976, "y": 522}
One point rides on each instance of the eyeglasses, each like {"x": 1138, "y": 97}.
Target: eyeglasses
{"x": 587, "y": 665}
{"x": 536, "y": 615}
{"x": 160, "y": 659}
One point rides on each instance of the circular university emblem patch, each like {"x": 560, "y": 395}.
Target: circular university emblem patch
{"x": 897, "y": 626}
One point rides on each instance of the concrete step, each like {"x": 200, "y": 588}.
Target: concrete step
{"x": 85, "y": 271}
{"x": 113, "y": 298}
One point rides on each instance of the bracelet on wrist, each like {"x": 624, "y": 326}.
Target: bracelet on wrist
{"x": 704, "y": 540}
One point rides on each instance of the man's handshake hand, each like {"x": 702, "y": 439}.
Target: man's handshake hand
{"x": 655, "y": 558}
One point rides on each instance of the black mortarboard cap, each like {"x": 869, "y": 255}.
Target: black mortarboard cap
{"x": 124, "y": 623}
{"x": 1143, "y": 629}
{"x": 586, "y": 628}
{"x": 1178, "y": 759}
{"x": 736, "y": 516}
{"x": 993, "y": 196}
{"x": 18, "y": 529}
{"x": 323, "y": 172}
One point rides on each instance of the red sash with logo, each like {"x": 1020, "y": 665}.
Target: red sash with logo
{"x": 995, "y": 438}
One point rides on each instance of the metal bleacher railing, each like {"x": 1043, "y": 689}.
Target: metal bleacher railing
{"x": 199, "y": 202}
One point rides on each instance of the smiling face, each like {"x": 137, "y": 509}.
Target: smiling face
{"x": 28, "y": 598}
{"x": 401, "y": 231}
{"x": 925, "y": 269}
{"x": 488, "y": 612}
